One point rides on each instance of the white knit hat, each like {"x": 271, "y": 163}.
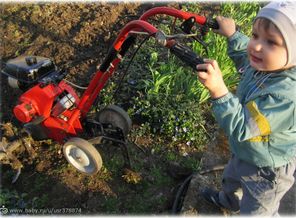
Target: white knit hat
{"x": 283, "y": 15}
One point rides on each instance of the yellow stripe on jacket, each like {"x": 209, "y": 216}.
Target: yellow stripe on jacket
{"x": 259, "y": 118}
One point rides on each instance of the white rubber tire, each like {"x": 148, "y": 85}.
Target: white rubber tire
{"x": 82, "y": 155}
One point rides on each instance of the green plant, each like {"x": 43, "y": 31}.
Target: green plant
{"x": 12, "y": 199}
{"x": 173, "y": 117}
{"x": 111, "y": 205}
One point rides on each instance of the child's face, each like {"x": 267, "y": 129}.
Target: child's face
{"x": 267, "y": 49}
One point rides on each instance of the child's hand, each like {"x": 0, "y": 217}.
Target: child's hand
{"x": 226, "y": 26}
{"x": 212, "y": 78}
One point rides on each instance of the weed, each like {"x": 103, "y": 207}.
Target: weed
{"x": 13, "y": 199}
{"x": 159, "y": 177}
{"x": 111, "y": 205}
{"x": 174, "y": 118}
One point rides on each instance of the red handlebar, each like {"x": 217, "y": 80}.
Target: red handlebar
{"x": 173, "y": 12}
{"x": 133, "y": 25}
{"x": 143, "y": 25}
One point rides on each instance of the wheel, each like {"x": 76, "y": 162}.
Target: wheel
{"x": 82, "y": 155}
{"x": 117, "y": 117}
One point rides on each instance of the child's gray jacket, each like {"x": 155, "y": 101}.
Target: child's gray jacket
{"x": 260, "y": 120}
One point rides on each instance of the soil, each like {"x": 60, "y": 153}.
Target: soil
{"x": 77, "y": 37}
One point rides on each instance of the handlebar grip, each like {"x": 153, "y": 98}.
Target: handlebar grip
{"x": 186, "y": 55}
{"x": 212, "y": 23}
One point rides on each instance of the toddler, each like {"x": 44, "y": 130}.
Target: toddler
{"x": 260, "y": 120}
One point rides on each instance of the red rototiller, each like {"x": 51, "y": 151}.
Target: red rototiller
{"x": 50, "y": 108}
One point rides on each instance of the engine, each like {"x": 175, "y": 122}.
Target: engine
{"x": 48, "y": 102}
{"x": 26, "y": 71}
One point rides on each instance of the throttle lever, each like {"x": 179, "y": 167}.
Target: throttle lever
{"x": 185, "y": 54}
{"x": 212, "y": 23}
